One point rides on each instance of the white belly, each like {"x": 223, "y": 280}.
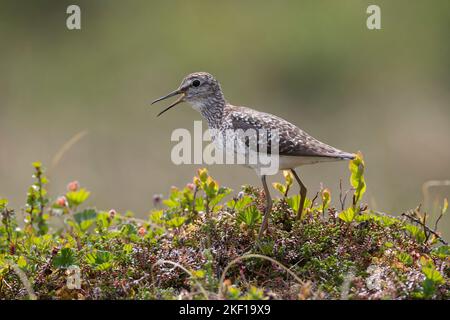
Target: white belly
{"x": 290, "y": 162}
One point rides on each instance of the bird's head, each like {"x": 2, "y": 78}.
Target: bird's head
{"x": 198, "y": 89}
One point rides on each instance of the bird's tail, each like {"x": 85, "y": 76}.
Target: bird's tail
{"x": 345, "y": 155}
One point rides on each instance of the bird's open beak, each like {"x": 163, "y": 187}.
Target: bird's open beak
{"x": 174, "y": 93}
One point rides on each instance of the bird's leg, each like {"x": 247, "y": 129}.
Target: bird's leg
{"x": 265, "y": 221}
{"x": 302, "y": 194}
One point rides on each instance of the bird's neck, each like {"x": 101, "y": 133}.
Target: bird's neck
{"x": 212, "y": 110}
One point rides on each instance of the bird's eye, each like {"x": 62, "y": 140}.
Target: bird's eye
{"x": 196, "y": 83}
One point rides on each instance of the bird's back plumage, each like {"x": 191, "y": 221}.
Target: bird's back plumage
{"x": 293, "y": 141}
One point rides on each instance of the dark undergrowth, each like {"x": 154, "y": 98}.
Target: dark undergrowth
{"x": 202, "y": 244}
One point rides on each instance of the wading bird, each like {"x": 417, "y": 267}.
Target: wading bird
{"x": 295, "y": 147}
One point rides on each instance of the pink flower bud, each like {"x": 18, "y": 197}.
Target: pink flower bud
{"x": 73, "y": 186}
{"x": 190, "y": 186}
{"x": 61, "y": 201}
{"x": 112, "y": 213}
{"x": 142, "y": 231}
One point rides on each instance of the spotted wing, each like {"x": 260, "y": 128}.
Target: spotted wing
{"x": 292, "y": 140}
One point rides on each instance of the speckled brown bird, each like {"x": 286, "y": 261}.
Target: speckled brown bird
{"x": 295, "y": 147}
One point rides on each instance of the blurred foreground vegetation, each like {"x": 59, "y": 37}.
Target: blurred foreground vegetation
{"x": 202, "y": 244}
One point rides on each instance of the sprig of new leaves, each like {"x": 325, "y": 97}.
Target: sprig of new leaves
{"x": 358, "y": 183}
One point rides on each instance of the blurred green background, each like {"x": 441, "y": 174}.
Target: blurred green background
{"x": 315, "y": 63}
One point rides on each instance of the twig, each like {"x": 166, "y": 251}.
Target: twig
{"x": 314, "y": 199}
{"x": 287, "y": 191}
{"x": 137, "y": 281}
{"x": 414, "y": 219}
{"x": 342, "y": 200}
{"x": 194, "y": 198}
{"x": 7, "y": 284}
{"x": 437, "y": 221}
{"x": 427, "y": 234}
{"x": 41, "y": 195}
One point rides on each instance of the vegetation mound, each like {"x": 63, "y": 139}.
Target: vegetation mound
{"x": 202, "y": 244}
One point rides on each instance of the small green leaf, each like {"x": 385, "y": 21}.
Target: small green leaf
{"x": 294, "y": 202}
{"x": 405, "y": 258}
{"x": 85, "y": 218}
{"x": 37, "y": 164}
{"x": 156, "y": 216}
{"x": 388, "y": 221}
{"x": 250, "y": 216}
{"x": 170, "y": 203}
{"x": 356, "y": 167}
{"x": 233, "y": 292}
{"x": 416, "y": 232}
{"x": 127, "y": 248}
{"x": 442, "y": 252}
{"x": 88, "y": 214}
{"x": 75, "y": 198}
{"x": 199, "y": 204}
{"x": 200, "y": 274}
{"x": 388, "y": 244}
{"x": 240, "y": 204}
{"x": 211, "y": 187}
{"x": 99, "y": 260}
{"x": 64, "y": 258}
{"x": 22, "y": 262}
{"x": 203, "y": 174}
{"x": 221, "y": 193}
{"x": 280, "y": 188}
{"x": 128, "y": 229}
{"x": 103, "y": 220}
{"x": 176, "y": 222}
{"x": 288, "y": 178}
{"x": 326, "y": 198}
{"x": 3, "y": 203}
{"x": 433, "y": 278}
{"x": 433, "y": 275}
{"x": 347, "y": 215}
{"x": 254, "y": 294}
